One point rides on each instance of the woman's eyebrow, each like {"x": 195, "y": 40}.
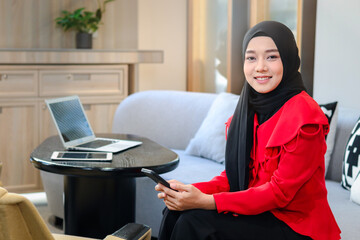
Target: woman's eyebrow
{"x": 272, "y": 50}
{"x": 250, "y": 51}
{"x": 267, "y": 51}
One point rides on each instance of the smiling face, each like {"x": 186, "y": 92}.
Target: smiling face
{"x": 263, "y": 67}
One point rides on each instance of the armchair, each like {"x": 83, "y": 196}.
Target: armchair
{"x": 19, "y": 219}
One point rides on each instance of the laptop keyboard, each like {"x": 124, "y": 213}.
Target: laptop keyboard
{"x": 96, "y": 144}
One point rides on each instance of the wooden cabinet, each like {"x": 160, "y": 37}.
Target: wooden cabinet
{"x": 25, "y": 120}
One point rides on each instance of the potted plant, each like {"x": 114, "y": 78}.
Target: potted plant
{"x": 84, "y": 22}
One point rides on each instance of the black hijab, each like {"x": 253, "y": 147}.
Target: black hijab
{"x": 240, "y": 135}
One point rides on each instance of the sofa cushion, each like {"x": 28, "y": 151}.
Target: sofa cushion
{"x": 209, "y": 141}
{"x": 351, "y": 164}
{"x": 331, "y": 112}
{"x": 193, "y": 169}
{"x": 355, "y": 191}
{"x": 346, "y": 121}
{"x": 345, "y": 212}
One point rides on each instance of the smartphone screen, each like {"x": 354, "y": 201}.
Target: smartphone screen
{"x": 81, "y": 155}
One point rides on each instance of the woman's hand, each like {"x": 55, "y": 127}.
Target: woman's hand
{"x": 187, "y": 197}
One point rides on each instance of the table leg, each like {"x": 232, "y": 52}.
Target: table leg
{"x": 98, "y": 206}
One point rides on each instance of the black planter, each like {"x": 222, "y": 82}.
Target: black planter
{"x": 83, "y": 40}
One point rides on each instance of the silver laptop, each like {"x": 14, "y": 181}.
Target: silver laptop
{"x": 75, "y": 130}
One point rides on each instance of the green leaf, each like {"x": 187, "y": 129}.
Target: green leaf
{"x": 78, "y": 11}
{"x": 98, "y": 14}
{"x": 81, "y": 20}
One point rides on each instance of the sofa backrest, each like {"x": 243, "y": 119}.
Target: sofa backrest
{"x": 345, "y": 123}
{"x": 170, "y": 118}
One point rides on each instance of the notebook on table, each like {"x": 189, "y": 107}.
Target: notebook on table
{"x": 75, "y": 130}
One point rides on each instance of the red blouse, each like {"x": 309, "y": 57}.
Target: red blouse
{"x": 287, "y": 172}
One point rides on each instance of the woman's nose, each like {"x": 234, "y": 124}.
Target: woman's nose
{"x": 261, "y": 66}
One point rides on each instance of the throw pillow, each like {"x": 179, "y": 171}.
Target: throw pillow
{"x": 331, "y": 112}
{"x": 209, "y": 141}
{"x": 351, "y": 163}
{"x": 355, "y": 191}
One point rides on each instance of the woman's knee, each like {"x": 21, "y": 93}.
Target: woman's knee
{"x": 197, "y": 215}
{"x": 193, "y": 220}
{"x": 192, "y": 224}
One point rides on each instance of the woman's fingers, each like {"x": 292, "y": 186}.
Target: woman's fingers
{"x": 186, "y": 197}
{"x": 174, "y": 181}
{"x": 181, "y": 187}
{"x": 161, "y": 195}
{"x": 171, "y": 205}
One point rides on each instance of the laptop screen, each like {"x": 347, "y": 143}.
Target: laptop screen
{"x": 70, "y": 119}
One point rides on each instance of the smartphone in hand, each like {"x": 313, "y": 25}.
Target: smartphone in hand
{"x": 156, "y": 177}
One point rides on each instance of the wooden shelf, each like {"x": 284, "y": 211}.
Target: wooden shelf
{"x": 75, "y": 56}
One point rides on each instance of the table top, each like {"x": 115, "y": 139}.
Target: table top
{"x": 127, "y": 163}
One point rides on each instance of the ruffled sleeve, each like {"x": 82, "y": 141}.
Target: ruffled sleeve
{"x": 303, "y": 156}
{"x": 299, "y": 111}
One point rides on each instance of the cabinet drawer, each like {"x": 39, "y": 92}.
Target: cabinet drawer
{"x": 18, "y": 83}
{"x": 83, "y": 82}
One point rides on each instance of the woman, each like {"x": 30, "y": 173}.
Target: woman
{"x": 273, "y": 186}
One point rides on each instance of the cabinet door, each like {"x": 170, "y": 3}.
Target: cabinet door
{"x": 18, "y": 138}
{"x": 99, "y": 113}
{"x": 47, "y": 127}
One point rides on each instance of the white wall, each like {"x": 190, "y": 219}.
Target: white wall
{"x": 337, "y": 53}
{"x": 162, "y": 26}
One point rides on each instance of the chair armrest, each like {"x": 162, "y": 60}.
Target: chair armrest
{"x": 131, "y": 231}
{"x": 69, "y": 237}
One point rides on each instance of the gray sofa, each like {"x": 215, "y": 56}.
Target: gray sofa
{"x": 172, "y": 118}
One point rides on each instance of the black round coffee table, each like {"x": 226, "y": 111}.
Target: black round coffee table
{"x": 99, "y": 197}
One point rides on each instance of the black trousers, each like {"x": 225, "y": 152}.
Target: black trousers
{"x": 210, "y": 225}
